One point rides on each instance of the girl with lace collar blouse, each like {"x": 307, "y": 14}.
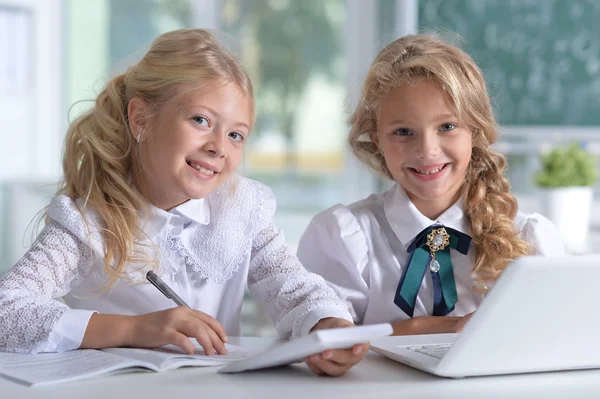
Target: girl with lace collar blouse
{"x": 423, "y": 254}
{"x": 150, "y": 184}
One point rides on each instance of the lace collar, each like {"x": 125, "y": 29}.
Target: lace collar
{"x": 214, "y": 245}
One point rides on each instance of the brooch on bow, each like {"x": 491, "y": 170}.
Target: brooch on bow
{"x": 437, "y": 240}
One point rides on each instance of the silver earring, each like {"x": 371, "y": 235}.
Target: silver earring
{"x": 137, "y": 139}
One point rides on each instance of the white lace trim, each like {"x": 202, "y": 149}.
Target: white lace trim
{"x": 236, "y": 210}
{"x": 89, "y": 230}
{"x": 66, "y": 212}
{"x": 56, "y": 262}
{"x": 214, "y": 275}
{"x": 286, "y": 289}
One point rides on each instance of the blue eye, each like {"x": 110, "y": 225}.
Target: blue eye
{"x": 402, "y": 132}
{"x": 446, "y": 127}
{"x": 236, "y": 136}
{"x": 200, "y": 120}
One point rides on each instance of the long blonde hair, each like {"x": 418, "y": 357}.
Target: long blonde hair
{"x": 101, "y": 156}
{"x": 489, "y": 206}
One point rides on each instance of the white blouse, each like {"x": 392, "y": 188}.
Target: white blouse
{"x": 206, "y": 250}
{"x": 352, "y": 248}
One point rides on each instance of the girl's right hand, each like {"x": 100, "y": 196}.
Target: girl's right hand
{"x": 174, "y": 326}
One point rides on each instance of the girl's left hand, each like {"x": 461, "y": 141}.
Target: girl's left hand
{"x": 337, "y": 361}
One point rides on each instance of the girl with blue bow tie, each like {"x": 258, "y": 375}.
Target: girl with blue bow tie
{"x": 423, "y": 254}
{"x": 150, "y": 184}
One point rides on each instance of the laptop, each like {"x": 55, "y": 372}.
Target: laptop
{"x": 542, "y": 315}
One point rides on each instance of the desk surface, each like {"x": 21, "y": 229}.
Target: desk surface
{"x": 375, "y": 377}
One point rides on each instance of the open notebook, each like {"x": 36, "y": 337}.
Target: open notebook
{"x": 53, "y": 368}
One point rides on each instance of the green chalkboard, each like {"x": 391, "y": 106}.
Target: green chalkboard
{"x": 540, "y": 58}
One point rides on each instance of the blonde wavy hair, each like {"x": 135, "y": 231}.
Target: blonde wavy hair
{"x": 100, "y": 156}
{"x": 488, "y": 204}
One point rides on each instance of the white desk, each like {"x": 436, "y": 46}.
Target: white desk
{"x": 374, "y": 377}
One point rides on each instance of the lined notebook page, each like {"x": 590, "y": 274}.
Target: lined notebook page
{"x": 52, "y": 368}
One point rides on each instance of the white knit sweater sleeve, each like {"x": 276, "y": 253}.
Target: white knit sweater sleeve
{"x": 29, "y": 305}
{"x": 292, "y": 297}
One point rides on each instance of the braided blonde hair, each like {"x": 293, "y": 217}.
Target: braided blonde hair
{"x": 489, "y": 206}
{"x": 101, "y": 155}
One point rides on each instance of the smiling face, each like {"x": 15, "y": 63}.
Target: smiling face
{"x": 193, "y": 144}
{"x": 426, "y": 148}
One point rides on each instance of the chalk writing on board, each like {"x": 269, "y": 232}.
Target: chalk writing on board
{"x": 540, "y": 58}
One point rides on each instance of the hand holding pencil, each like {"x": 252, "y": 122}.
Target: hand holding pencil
{"x": 176, "y": 325}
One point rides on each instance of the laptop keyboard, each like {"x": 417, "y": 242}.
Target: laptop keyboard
{"x": 437, "y": 351}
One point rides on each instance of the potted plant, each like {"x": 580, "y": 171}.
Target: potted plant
{"x": 567, "y": 177}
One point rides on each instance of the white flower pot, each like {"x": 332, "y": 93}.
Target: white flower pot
{"x": 569, "y": 208}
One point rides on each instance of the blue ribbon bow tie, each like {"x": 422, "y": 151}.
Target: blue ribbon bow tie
{"x": 431, "y": 248}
